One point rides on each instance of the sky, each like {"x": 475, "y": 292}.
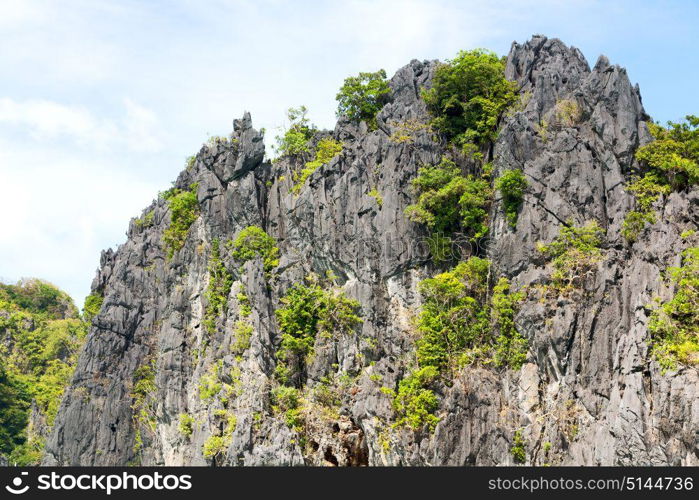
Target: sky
{"x": 102, "y": 101}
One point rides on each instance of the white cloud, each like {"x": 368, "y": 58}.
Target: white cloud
{"x": 138, "y": 130}
{"x": 61, "y": 210}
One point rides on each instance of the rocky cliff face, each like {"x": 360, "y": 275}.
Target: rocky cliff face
{"x": 588, "y": 394}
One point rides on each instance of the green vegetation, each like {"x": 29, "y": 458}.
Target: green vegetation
{"x": 517, "y": 450}
{"x": 295, "y": 139}
{"x": 671, "y": 162}
{"x": 462, "y": 321}
{"x": 242, "y": 331}
{"x": 212, "y": 384}
{"x": 510, "y": 346}
{"x": 449, "y": 201}
{"x": 309, "y": 310}
{"x": 374, "y": 193}
{"x": 573, "y": 252}
{"x": 414, "y": 402}
{"x": 287, "y": 401}
{"x": 40, "y": 298}
{"x": 186, "y": 425}
{"x": 146, "y": 220}
{"x": 362, "y": 97}
{"x": 254, "y": 242}
{"x": 184, "y": 210}
{"x": 41, "y": 340}
{"x": 143, "y": 404}
{"x": 93, "y": 304}
{"x": 215, "y": 387}
{"x": 511, "y": 185}
{"x": 468, "y": 95}
{"x": 326, "y": 150}
{"x": 467, "y": 98}
{"x": 674, "y": 155}
{"x": 452, "y": 317}
{"x": 674, "y": 324}
{"x": 14, "y": 404}
{"x": 405, "y": 132}
{"x": 647, "y": 190}
{"x": 634, "y": 223}
{"x": 220, "y": 282}
{"x": 542, "y": 129}
{"x": 216, "y": 445}
{"x": 209, "y": 384}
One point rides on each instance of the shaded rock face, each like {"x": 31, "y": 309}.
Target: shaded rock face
{"x": 589, "y": 394}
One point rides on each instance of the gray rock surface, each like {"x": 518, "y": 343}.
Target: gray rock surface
{"x": 589, "y": 388}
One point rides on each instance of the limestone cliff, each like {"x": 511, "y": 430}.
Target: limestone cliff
{"x": 588, "y": 394}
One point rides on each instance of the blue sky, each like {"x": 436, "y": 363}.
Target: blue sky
{"x": 102, "y": 101}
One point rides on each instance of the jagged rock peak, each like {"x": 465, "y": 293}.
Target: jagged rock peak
{"x": 588, "y": 388}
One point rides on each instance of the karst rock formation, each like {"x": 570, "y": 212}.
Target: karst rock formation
{"x": 589, "y": 394}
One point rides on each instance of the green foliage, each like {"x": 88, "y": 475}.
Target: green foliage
{"x": 634, "y": 223}
{"x": 186, "y": 425}
{"x": 542, "y": 129}
{"x": 37, "y": 358}
{"x": 647, "y": 190}
{"x": 44, "y": 359}
{"x": 374, "y": 193}
{"x": 184, "y": 210}
{"x": 674, "y": 155}
{"x": 242, "y": 331}
{"x": 453, "y": 316}
{"x": 414, "y": 402}
{"x": 459, "y": 314}
{"x": 517, "y": 450}
{"x": 28, "y": 453}
{"x": 510, "y": 346}
{"x": 449, "y": 201}
{"x": 326, "y": 150}
{"x": 93, "y": 304}
{"x": 216, "y": 445}
{"x": 146, "y": 220}
{"x": 244, "y": 305}
{"x": 143, "y": 397}
{"x": 672, "y": 162}
{"x": 573, "y": 252}
{"x": 308, "y": 310}
{"x": 362, "y": 97}
{"x": 405, "y": 132}
{"x": 220, "y": 282}
{"x": 456, "y": 324}
{"x": 287, "y": 401}
{"x": 254, "y": 242}
{"x": 15, "y": 400}
{"x": 511, "y": 185}
{"x": 468, "y": 95}
{"x": 674, "y": 324}
{"x": 40, "y": 298}
{"x": 295, "y": 139}
{"x": 209, "y": 384}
